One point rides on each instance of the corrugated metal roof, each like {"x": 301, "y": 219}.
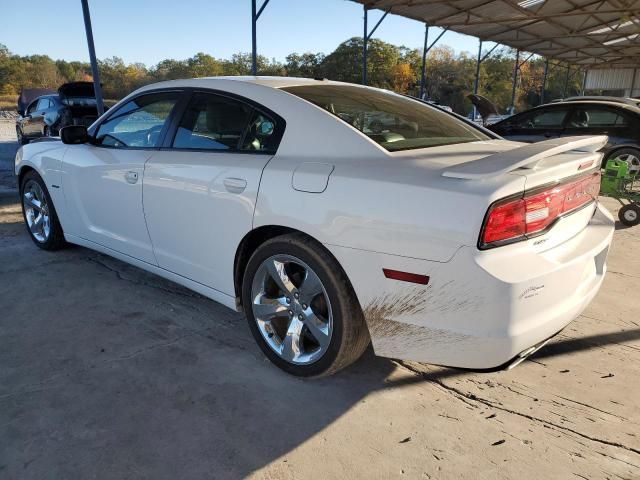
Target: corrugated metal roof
{"x": 587, "y": 33}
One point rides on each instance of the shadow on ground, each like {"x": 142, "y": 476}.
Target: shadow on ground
{"x": 106, "y": 368}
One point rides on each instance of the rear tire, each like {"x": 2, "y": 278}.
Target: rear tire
{"x": 629, "y": 215}
{"x": 328, "y": 323}
{"x": 39, "y": 214}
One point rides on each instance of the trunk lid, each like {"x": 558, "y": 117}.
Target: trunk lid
{"x": 547, "y": 167}
{"x": 487, "y": 171}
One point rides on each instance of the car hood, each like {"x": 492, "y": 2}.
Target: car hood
{"x": 77, "y": 89}
{"x": 485, "y": 106}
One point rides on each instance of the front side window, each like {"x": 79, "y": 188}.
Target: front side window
{"x": 542, "y": 119}
{"x": 138, "y": 123}
{"x": 393, "y": 121}
{"x": 215, "y": 122}
{"x": 32, "y": 107}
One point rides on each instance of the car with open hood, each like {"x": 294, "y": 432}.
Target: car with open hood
{"x": 43, "y": 113}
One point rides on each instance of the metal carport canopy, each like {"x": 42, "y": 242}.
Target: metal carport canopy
{"x": 585, "y": 33}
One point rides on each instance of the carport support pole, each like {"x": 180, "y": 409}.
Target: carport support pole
{"x": 254, "y": 42}
{"x": 255, "y": 15}
{"x": 365, "y": 38}
{"x": 516, "y": 66}
{"x": 92, "y": 57}
{"x": 544, "y": 81}
{"x": 566, "y": 82}
{"x": 476, "y": 81}
{"x": 423, "y": 70}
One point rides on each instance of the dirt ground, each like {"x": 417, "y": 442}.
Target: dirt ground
{"x": 109, "y": 372}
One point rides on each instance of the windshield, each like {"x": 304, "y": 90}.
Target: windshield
{"x": 393, "y": 121}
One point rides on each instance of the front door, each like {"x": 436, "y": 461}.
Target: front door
{"x": 200, "y": 192}
{"x": 103, "y": 181}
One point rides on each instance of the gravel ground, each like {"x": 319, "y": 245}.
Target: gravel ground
{"x": 109, "y": 372}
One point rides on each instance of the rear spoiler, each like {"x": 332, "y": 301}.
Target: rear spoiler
{"x": 527, "y": 156}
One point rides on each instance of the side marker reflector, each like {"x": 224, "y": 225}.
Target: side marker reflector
{"x": 405, "y": 276}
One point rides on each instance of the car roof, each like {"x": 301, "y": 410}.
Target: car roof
{"x": 604, "y": 98}
{"x": 623, "y": 105}
{"x": 273, "y": 82}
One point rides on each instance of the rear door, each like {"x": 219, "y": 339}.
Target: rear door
{"x": 539, "y": 124}
{"x": 200, "y": 190}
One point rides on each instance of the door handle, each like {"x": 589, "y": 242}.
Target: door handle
{"x": 235, "y": 185}
{"x": 131, "y": 177}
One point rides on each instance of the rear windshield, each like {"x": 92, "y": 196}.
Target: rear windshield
{"x": 393, "y": 121}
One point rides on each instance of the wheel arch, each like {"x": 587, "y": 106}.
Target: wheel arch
{"x": 622, "y": 146}
{"x": 24, "y": 169}
{"x": 252, "y": 241}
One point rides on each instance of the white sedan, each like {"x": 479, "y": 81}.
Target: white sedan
{"x": 333, "y": 215}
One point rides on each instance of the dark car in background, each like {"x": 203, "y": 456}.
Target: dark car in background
{"x": 619, "y": 121}
{"x": 42, "y": 113}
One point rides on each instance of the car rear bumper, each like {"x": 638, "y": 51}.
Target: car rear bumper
{"x": 481, "y": 309}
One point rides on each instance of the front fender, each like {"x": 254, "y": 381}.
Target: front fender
{"x": 46, "y": 159}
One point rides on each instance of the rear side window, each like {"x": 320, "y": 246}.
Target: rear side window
{"x": 139, "y": 122}
{"x": 594, "y": 117}
{"x": 216, "y": 122}
{"x": 541, "y": 119}
{"x": 393, "y": 121}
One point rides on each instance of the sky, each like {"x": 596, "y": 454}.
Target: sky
{"x": 148, "y": 31}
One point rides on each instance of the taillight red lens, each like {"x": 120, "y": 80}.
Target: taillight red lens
{"x": 516, "y": 219}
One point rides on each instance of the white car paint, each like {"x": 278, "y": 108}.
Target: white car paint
{"x": 372, "y": 209}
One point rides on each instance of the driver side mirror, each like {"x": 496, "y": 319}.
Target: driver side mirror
{"x": 74, "y": 134}
{"x": 21, "y": 112}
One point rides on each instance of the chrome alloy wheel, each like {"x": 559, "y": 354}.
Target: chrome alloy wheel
{"x": 292, "y": 309}
{"x": 633, "y": 162}
{"x": 36, "y": 211}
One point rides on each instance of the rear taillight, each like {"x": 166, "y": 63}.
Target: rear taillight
{"x": 514, "y": 219}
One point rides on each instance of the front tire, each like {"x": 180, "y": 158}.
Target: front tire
{"x": 301, "y": 307}
{"x": 22, "y": 140}
{"x": 39, "y": 214}
{"x": 629, "y": 215}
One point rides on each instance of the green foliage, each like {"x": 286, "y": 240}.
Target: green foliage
{"x": 449, "y": 76}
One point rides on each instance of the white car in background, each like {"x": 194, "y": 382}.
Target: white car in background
{"x": 424, "y": 233}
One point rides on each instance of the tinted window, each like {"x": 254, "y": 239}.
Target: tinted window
{"x": 541, "y": 119}
{"x": 32, "y": 107}
{"x": 594, "y": 117}
{"x": 213, "y": 122}
{"x": 138, "y": 123}
{"x": 393, "y": 121}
